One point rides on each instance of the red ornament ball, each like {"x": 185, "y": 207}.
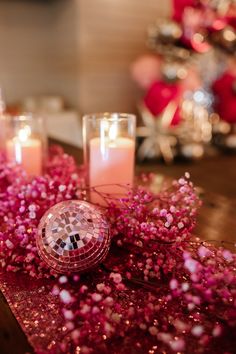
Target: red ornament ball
{"x": 73, "y": 236}
{"x": 225, "y": 93}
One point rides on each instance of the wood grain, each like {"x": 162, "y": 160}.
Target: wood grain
{"x": 24, "y": 40}
{"x": 80, "y": 49}
{"x": 111, "y": 35}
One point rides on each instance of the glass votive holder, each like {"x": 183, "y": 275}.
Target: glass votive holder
{"x": 4, "y": 130}
{"x": 109, "y": 154}
{"x": 4, "y": 124}
{"x": 27, "y": 143}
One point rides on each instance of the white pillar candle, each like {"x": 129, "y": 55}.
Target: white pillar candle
{"x": 111, "y": 163}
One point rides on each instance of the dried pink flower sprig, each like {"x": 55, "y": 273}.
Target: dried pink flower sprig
{"x": 165, "y": 217}
{"x": 167, "y": 291}
{"x": 24, "y": 201}
{"x": 159, "y": 289}
{"x": 193, "y": 312}
{"x": 148, "y": 224}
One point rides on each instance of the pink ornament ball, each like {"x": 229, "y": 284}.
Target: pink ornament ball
{"x": 146, "y": 70}
{"x": 73, "y": 236}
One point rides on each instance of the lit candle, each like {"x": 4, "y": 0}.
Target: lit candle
{"x": 26, "y": 150}
{"x": 111, "y": 162}
{"x": 3, "y": 131}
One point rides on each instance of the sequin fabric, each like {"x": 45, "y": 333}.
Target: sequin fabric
{"x": 73, "y": 236}
{"x": 35, "y": 308}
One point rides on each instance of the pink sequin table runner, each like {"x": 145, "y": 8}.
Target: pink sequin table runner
{"x": 39, "y": 314}
{"x": 35, "y": 308}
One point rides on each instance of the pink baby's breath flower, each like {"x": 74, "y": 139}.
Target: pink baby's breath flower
{"x": 191, "y": 265}
{"x": 9, "y": 244}
{"x": 173, "y": 284}
{"x": 177, "y": 345}
{"x": 197, "y": 330}
{"x": 96, "y": 297}
{"x": 117, "y": 278}
{"x": 65, "y": 297}
{"x": 164, "y": 285}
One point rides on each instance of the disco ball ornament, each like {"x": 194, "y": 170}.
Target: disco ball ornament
{"x": 73, "y": 236}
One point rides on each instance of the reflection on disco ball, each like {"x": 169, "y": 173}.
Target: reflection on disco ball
{"x": 73, "y": 236}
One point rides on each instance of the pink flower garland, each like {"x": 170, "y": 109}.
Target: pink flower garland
{"x": 159, "y": 290}
{"x": 24, "y": 202}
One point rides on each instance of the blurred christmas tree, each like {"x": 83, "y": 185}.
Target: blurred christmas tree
{"x": 190, "y": 81}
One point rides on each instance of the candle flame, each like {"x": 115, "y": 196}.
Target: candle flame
{"x": 108, "y": 136}
{"x": 24, "y": 133}
{"x": 113, "y": 131}
{"x": 103, "y": 131}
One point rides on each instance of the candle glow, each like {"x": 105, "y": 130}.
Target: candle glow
{"x": 111, "y": 161}
{"x": 26, "y": 150}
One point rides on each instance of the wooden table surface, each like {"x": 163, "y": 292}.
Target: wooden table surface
{"x": 216, "y": 179}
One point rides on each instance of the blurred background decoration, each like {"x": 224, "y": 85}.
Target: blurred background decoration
{"x": 64, "y": 58}
{"x": 189, "y": 81}
{"x": 77, "y": 50}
